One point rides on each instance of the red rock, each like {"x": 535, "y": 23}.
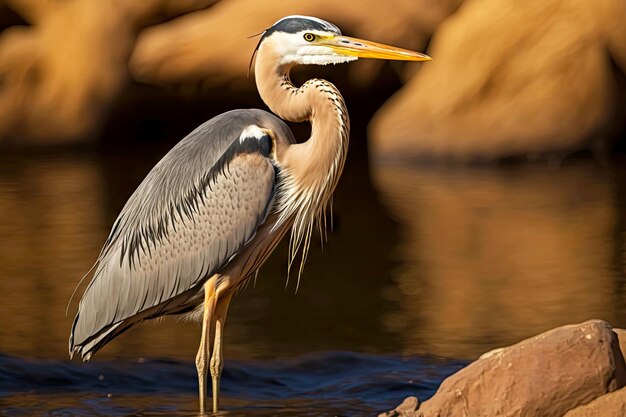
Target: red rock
{"x": 544, "y": 376}
{"x": 609, "y": 405}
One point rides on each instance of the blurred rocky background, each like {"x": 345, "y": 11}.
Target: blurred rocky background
{"x": 437, "y": 259}
{"x": 508, "y": 79}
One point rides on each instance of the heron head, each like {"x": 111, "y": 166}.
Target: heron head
{"x": 309, "y": 40}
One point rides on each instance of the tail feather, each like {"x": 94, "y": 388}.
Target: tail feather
{"x": 93, "y": 342}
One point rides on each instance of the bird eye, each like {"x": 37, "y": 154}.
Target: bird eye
{"x": 309, "y": 37}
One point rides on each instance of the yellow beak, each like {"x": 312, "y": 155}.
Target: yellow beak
{"x": 345, "y": 45}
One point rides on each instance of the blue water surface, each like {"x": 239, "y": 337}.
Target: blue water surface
{"x": 321, "y": 384}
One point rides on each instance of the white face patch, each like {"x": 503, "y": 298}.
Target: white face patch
{"x": 252, "y": 131}
{"x": 317, "y": 55}
{"x": 294, "y": 49}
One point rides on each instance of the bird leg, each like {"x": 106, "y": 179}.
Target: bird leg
{"x": 216, "y": 358}
{"x": 204, "y": 351}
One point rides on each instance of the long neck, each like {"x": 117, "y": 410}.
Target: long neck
{"x": 318, "y": 162}
{"x": 309, "y": 170}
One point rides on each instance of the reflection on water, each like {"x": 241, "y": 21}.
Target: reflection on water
{"x": 493, "y": 255}
{"x": 434, "y": 260}
{"x": 49, "y": 209}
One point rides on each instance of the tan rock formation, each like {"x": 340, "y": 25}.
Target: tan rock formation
{"x": 527, "y": 77}
{"x": 61, "y": 75}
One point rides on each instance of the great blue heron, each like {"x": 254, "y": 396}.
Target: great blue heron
{"x": 212, "y": 210}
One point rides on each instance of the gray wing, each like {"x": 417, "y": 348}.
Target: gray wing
{"x": 195, "y": 210}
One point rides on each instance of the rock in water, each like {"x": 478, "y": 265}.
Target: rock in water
{"x": 405, "y": 409}
{"x": 544, "y": 376}
{"x": 609, "y": 405}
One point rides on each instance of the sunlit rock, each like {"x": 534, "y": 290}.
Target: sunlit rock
{"x": 60, "y": 76}
{"x": 546, "y": 375}
{"x": 535, "y": 377}
{"x": 507, "y": 79}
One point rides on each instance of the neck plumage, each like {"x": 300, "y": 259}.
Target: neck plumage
{"x": 309, "y": 170}
{"x": 317, "y": 101}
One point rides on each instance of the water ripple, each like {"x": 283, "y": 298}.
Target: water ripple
{"x": 326, "y": 383}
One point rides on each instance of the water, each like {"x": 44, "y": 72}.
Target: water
{"x": 425, "y": 263}
{"x": 330, "y": 383}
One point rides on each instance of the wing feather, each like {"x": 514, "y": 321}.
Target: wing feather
{"x": 198, "y": 207}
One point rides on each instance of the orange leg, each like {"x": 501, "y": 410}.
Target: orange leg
{"x": 218, "y": 350}
{"x": 204, "y": 351}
